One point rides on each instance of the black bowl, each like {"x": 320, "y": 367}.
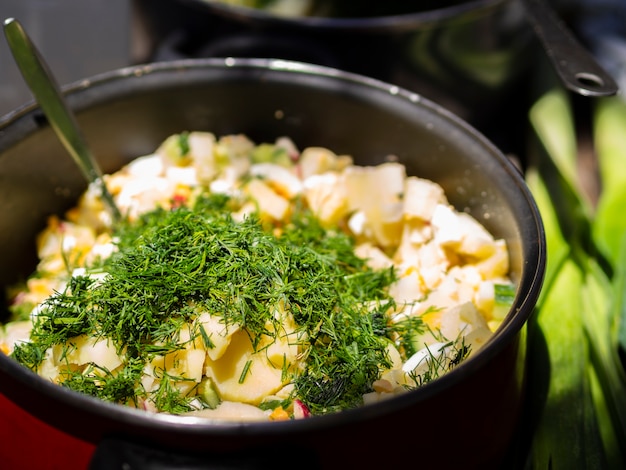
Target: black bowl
{"x": 466, "y": 418}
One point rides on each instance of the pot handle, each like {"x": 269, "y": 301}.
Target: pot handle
{"x": 576, "y": 67}
{"x": 118, "y": 453}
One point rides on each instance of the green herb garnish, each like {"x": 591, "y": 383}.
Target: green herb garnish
{"x": 172, "y": 264}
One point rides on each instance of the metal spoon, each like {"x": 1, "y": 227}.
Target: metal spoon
{"x": 576, "y": 67}
{"x": 48, "y": 94}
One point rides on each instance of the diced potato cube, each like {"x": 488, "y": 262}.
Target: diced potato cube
{"x": 184, "y": 363}
{"x": 477, "y": 241}
{"x": 315, "y": 161}
{"x": 484, "y": 299}
{"x": 182, "y": 175}
{"x": 201, "y": 146}
{"x": 375, "y": 185}
{"x": 194, "y": 364}
{"x": 378, "y": 192}
{"x": 138, "y": 196}
{"x": 148, "y": 166}
{"x": 376, "y": 258}
{"x": 357, "y": 223}
{"x": 446, "y": 226}
{"x": 382, "y": 386}
{"x": 88, "y": 349}
{"x": 64, "y": 237}
{"x": 461, "y": 319}
{"x": 458, "y": 286}
{"x": 102, "y": 248}
{"x": 202, "y": 152}
{"x": 326, "y": 196}
{"x": 386, "y": 223}
{"x": 496, "y": 265}
{"x": 433, "y": 263}
{"x": 13, "y": 333}
{"x": 218, "y": 333}
{"x": 283, "y": 346}
{"x": 233, "y": 148}
{"x": 418, "y": 363}
{"x": 281, "y": 179}
{"x": 270, "y": 204}
{"x": 394, "y": 356}
{"x": 408, "y": 287}
{"x": 414, "y": 234}
{"x": 477, "y": 338}
{"x": 461, "y": 232}
{"x": 421, "y": 196}
{"x": 48, "y": 369}
{"x": 243, "y": 375}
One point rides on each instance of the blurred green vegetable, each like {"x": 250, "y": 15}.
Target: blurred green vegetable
{"x": 577, "y": 385}
{"x": 609, "y": 227}
{"x": 609, "y": 130}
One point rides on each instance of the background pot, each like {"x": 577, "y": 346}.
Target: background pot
{"x": 471, "y": 57}
{"x": 127, "y": 113}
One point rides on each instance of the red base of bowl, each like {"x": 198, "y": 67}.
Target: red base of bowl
{"x": 27, "y": 443}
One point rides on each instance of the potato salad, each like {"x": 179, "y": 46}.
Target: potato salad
{"x": 257, "y": 281}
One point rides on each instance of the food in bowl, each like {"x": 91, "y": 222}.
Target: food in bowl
{"x": 258, "y": 282}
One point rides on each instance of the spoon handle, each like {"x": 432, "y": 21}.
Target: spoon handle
{"x": 576, "y": 67}
{"x": 48, "y": 94}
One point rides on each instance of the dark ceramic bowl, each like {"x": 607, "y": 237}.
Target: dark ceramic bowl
{"x": 465, "y": 419}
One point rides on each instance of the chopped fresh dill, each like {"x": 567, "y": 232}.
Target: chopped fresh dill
{"x": 172, "y": 264}
{"x": 168, "y": 396}
{"x": 245, "y": 371}
{"x": 120, "y": 387}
